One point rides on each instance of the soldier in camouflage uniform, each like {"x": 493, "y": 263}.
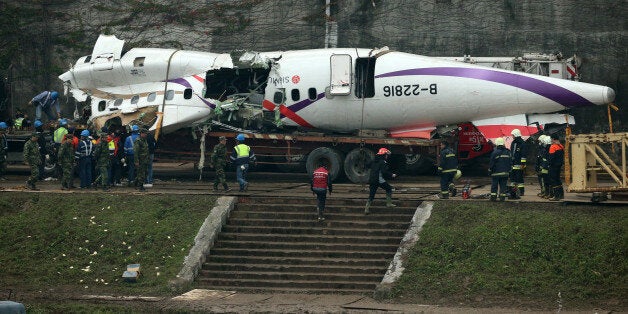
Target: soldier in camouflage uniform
{"x": 140, "y": 148}
{"x": 66, "y": 160}
{"x": 218, "y": 162}
{"x": 103, "y": 161}
{"x": 4, "y": 149}
{"x": 32, "y": 158}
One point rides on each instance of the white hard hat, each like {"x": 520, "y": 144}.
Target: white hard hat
{"x": 499, "y": 141}
{"x": 516, "y": 133}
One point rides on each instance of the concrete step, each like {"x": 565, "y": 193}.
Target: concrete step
{"x": 329, "y": 223}
{"x": 378, "y": 201}
{"x": 353, "y": 209}
{"x": 320, "y": 269}
{"x": 307, "y": 290}
{"x": 297, "y": 238}
{"x": 293, "y": 276}
{"x": 321, "y": 230}
{"x": 311, "y": 213}
{"x": 312, "y": 246}
{"x": 303, "y": 261}
{"x": 311, "y": 254}
{"x": 292, "y": 284}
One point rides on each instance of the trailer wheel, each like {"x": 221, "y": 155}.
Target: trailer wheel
{"x": 356, "y": 163}
{"x": 418, "y": 164}
{"x": 323, "y": 154}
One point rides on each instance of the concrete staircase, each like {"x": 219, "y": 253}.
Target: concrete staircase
{"x": 276, "y": 244}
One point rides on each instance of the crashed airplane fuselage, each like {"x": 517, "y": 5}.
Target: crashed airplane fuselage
{"x": 340, "y": 89}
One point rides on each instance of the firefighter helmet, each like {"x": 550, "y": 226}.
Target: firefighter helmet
{"x": 383, "y": 151}
{"x": 499, "y": 141}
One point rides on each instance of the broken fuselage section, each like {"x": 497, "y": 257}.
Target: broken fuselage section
{"x": 166, "y": 89}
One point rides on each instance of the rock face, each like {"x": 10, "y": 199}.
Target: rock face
{"x": 593, "y": 29}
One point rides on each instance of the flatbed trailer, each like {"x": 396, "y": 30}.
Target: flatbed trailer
{"x": 346, "y": 155}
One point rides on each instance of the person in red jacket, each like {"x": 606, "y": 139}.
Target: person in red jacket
{"x": 319, "y": 186}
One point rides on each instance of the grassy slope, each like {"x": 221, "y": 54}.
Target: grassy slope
{"x": 519, "y": 254}
{"x": 84, "y": 243}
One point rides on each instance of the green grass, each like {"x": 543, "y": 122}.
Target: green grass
{"x": 510, "y": 254}
{"x": 83, "y": 242}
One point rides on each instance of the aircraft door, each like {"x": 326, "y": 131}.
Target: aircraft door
{"x": 340, "y": 80}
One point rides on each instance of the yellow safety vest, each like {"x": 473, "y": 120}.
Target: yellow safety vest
{"x": 59, "y": 134}
{"x": 242, "y": 150}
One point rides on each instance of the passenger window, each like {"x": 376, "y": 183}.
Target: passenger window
{"x": 311, "y": 93}
{"x": 102, "y": 105}
{"x": 295, "y": 95}
{"x": 138, "y": 62}
{"x": 118, "y": 102}
{"x": 135, "y": 99}
{"x": 169, "y": 94}
{"x": 151, "y": 97}
{"x": 279, "y": 98}
{"x": 187, "y": 93}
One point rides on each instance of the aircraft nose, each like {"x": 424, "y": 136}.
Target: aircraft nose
{"x": 609, "y": 95}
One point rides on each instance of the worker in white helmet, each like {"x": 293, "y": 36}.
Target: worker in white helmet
{"x": 499, "y": 169}
{"x": 519, "y": 153}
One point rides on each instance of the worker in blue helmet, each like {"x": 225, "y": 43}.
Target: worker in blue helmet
{"x": 129, "y": 154}
{"x": 46, "y": 101}
{"x": 242, "y": 155}
{"x": 43, "y": 150}
{"x": 4, "y": 149}
{"x": 84, "y": 154}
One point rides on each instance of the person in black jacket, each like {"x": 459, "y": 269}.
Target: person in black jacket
{"x": 518, "y": 150}
{"x": 377, "y": 178}
{"x": 447, "y": 167}
{"x": 499, "y": 169}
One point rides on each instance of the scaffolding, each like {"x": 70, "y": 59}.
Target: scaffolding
{"x": 589, "y": 159}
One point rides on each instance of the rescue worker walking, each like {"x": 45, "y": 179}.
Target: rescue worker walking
{"x": 45, "y": 102}
{"x": 102, "y": 157}
{"x": 556, "y": 160}
{"x": 242, "y": 155}
{"x": 448, "y": 167}
{"x": 377, "y": 179}
{"x": 542, "y": 165}
{"x": 140, "y": 147}
{"x": 129, "y": 153}
{"x": 32, "y": 158}
{"x": 84, "y": 155}
{"x": 66, "y": 161}
{"x": 519, "y": 152}
{"x": 499, "y": 168}
{"x": 218, "y": 162}
{"x": 4, "y": 150}
{"x": 321, "y": 182}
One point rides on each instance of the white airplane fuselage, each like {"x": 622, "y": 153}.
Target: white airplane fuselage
{"x": 319, "y": 88}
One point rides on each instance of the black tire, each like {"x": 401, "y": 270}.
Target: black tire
{"x": 331, "y": 156}
{"x": 356, "y": 162}
{"x": 417, "y": 164}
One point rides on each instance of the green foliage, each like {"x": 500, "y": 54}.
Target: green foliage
{"x": 509, "y": 251}
{"x": 86, "y": 242}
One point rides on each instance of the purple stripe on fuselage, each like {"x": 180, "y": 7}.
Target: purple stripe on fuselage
{"x": 304, "y": 103}
{"x": 181, "y": 81}
{"x": 556, "y": 93}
